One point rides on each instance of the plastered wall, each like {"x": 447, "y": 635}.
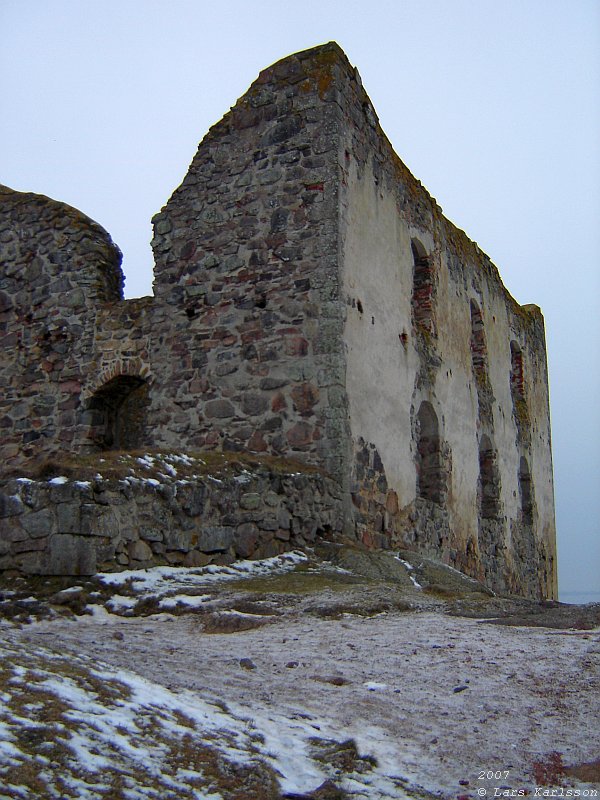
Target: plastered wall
{"x": 454, "y": 357}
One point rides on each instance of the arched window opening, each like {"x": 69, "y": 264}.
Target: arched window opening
{"x": 422, "y": 295}
{"x": 517, "y": 377}
{"x": 526, "y": 492}
{"x": 489, "y": 480}
{"x": 119, "y": 412}
{"x": 478, "y": 345}
{"x": 431, "y": 478}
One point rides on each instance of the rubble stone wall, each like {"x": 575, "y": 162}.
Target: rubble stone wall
{"x": 66, "y": 527}
{"x": 246, "y": 255}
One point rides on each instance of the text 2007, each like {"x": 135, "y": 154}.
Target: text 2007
{"x": 490, "y": 775}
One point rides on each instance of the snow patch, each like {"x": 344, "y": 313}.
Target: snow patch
{"x": 160, "y": 580}
{"x": 185, "y": 600}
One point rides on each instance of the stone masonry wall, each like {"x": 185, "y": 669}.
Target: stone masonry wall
{"x": 246, "y": 257}
{"x": 445, "y": 374}
{"x": 241, "y": 346}
{"x": 69, "y": 527}
{"x": 57, "y": 268}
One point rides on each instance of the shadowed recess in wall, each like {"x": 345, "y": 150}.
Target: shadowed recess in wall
{"x": 430, "y": 469}
{"x": 117, "y": 412}
{"x": 422, "y": 298}
{"x": 489, "y": 480}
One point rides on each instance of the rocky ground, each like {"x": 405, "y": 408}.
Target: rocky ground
{"x": 340, "y": 675}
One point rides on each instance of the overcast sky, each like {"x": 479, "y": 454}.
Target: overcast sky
{"x": 493, "y": 104}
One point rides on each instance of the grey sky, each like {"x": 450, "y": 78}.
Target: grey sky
{"x": 493, "y": 104}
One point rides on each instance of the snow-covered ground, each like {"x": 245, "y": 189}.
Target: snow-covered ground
{"x": 411, "y": 703}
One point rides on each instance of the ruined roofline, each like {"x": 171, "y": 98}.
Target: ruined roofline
{"x": 14, "y": 197}
{"x": 328, "y": 66}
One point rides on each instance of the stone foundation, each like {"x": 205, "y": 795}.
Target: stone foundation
{"x": 68, "y": 527}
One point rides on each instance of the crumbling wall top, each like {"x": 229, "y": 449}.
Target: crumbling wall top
{"x": 50, "y": 248}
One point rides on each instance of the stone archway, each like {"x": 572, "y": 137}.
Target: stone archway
{"x": 118, "y": 413}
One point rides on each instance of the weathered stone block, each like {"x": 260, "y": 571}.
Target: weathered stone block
{"x": 139, "y": 551}
{"x": 11, "y": 530}
{"x": 29, "y": 545}
{"x": 250, "y": 501}
{"x": 177, "y": 539}
{"x": 35, "y": 563}
{"x": 68, "y": 517}
{"x": 191, "y": 498}
{"x": 305, "y": 397}
{"x": 10, "y": 506}
{"x": 195, "y": 559}
{"x": 219, "y": 409}
{"x": 39, "y": 523}
{"x": 149, "y": 533}
{"x": 98, "y": 520}
{"x": 272, "y": 499}
{"x": 254, "y": 404}
{"x": 105, "y": 552}
{"x": 175, "y": 558}
{"x": 70, "y": 555}
{"x": 268, "y": 549}
{"x": 246, "y": 540}
{"x": 300, "y": 436}
{"x": 62, "y": 492}
{"x": 213, "y": 539}
{"x": 284, "y": 518}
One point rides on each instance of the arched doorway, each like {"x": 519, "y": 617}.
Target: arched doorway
{"x": 119, "y": 413}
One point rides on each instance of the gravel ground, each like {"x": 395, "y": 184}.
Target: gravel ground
{"x": 449, "y": 705}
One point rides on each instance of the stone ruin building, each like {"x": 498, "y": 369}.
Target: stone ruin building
{"x": 310, "y": 302}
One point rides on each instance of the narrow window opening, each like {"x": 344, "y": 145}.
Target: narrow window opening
{"x": 517, "y": 376}
{"x": 478, "y": 344}
{"x": 422, "y": 295}
{"x": 489, "y": 480}
{"x": 431, "y": 478}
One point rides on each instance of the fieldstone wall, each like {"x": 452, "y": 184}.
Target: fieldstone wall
{"x": 246, "y": 254}
{"x": 66, "y": 527}
{"x": 57, "y": 268}
{"x": 241, "y": 347}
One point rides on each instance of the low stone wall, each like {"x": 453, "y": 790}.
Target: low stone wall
{"x": 68, "y": 527}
